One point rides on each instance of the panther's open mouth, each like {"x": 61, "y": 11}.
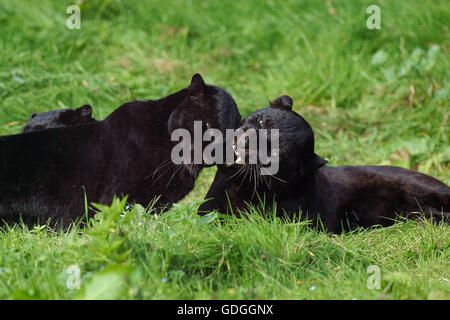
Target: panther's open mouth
{"x": 243, "y": 156}
{"x": 246, "y": 156}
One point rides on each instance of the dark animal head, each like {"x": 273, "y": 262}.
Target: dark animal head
{"x": 58, "y": 118}
{"x": 210, "y": 106}
{"x": 295, "y": 151}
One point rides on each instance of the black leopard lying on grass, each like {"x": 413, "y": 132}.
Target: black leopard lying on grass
{"x": 59, "y": 118}
{"x": 47, "y": 173}
{"x": 339, "y": 198}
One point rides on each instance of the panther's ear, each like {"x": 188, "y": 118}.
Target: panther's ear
{"x": 312, "y": 165}
{"x": 84, "y": 111}
{"x": 197, "y": 83}
{"x": 318, "y": 162}
{"x": 283, "y": 102}
{"x": 34, "y": 114}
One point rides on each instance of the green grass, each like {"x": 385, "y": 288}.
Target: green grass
{"x": 372, "y": 97}
{"x": 179, "y": 255}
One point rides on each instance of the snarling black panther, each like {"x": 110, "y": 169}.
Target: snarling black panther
{"x": 335, "y": 198}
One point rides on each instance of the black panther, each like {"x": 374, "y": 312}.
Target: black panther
{"x": 335, "y": 198}
{"x": 46, "y": 174}
{"x": 59, "y": 118}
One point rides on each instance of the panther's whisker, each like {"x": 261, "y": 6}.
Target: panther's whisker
{"x": 163, "y": 164}
{"x": 162, "y": 174}
{"x": 255, "y": 185}
{"x": 246, "y": 171}
{"x": 279, "y": 179}
{"x": 177, "y": 169}
{"x": 263, "y": 177}
{"x": 238, "y": 173}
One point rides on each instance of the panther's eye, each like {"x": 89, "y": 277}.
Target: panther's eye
{"x": 261, "y": 123}
{"x": 208, "y": 125}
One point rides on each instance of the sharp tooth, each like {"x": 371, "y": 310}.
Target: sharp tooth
{"x": 239, "y": 160}
{"x": 228, "y": 165}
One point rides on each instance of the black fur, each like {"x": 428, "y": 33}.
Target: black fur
{"x": 44, "y": 174}
{"x": 59, "y": 118}
{"x": 342, "y": 197}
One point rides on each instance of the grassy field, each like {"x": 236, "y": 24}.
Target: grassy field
{"x": 372, "y": 97}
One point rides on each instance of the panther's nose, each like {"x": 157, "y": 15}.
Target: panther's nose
{"x": 241, "y": 141}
